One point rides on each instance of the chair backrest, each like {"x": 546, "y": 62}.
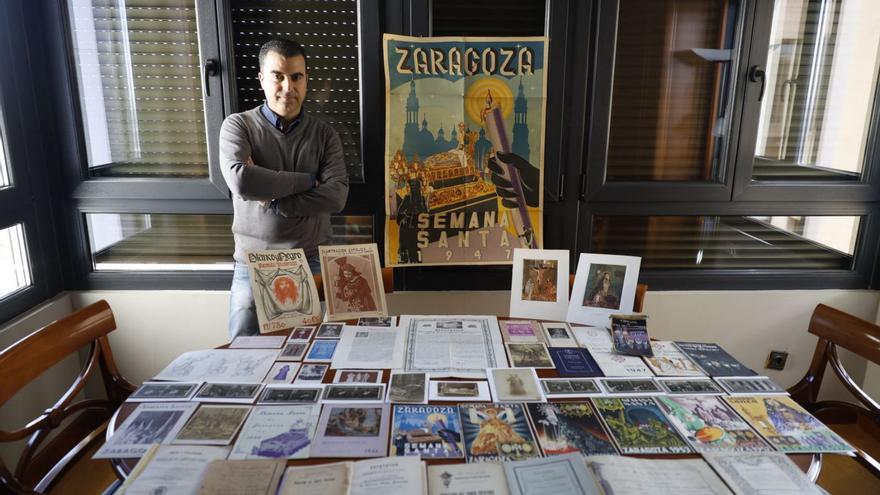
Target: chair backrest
{"x": 638, "y": 302}
{"x": 387, "y": 281}
{"x": 38, "y": 465}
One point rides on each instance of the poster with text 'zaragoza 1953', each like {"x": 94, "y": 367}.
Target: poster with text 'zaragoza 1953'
{"x": 464, "y": 148}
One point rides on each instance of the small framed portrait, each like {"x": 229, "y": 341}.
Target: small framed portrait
{"x": 358, "y": 376}
{"x": 539, "y": 286}
{"x": 604, "y": 284}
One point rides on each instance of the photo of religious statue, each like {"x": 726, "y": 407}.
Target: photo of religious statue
{"x": 539, "y": 280}
{"x": 604, "y": 286}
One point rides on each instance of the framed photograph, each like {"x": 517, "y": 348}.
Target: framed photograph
{"x": 257, "y": 342}
{"x": 539, "y": 286}
{"x": 239, "y": 393}
{"x": 290, "y": 394}
{"x": 558, "y": 334}
{"x": 454, "y": 391}
{"x": 750, "y": 385}
{"x": 358, "y": 376}
{"x": 524, "y": 331}
{"x": 408, "y": 388}
{"x": 515, "y": 385}
{"x": 604, "y": 284}
{"x": 377, "y": 321}
{"x": 282, "y": 372}
{"x": 352, "y": 430}
{"x": 560, "y": 388}
{"x": 354, "y": 393}
{"x": 164, "y": 391}
{"x": 353, "y": 286}
{"x": 213, "y": 425}
{"x": 690, "y": 386}
{"x": 322, "y": 351}
{"x": 329, "y": 331}
{"x": 631, "y": 386}
{"x": 293, "y": 351}
{"x": 301, "y": 333}
{"x": 529, "y": 355}
{"x": 312, "y": 373}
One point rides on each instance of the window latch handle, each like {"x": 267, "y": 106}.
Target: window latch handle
{"x": 212, "y": 68}
{"x": 756, "y": 73}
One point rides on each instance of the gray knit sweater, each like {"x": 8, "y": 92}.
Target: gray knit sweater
{"x": 285, "y": 167}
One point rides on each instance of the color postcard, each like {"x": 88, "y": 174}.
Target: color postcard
{"x": 282, "y": 372}
{"x": 539, "y": 285}
{"x": 638, "y": 426}
{"x": 277, "y": 432}
{"x": 566, "y": 427}
{"x": 431, "y": 432}
{"x": 709, "y": 425}
{"x": 321, "y": 351}
{"x": 352, "y": 430}
{"x": 574, "y": 361}
{"x": 497, "y": 432}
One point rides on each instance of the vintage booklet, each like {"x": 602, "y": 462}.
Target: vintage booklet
{"x": 713, "y": 360}
{"x": 285, "y": 293}
{"x": 352, "y": 430}
{"x": 497, "y": 432}
{"x": 539, "y": 286}
{"x": 760, "y": 473}
{"x": 568, "y": 427}
{"x": 369, "y": 348}
{"x": 786, "y": 425}
{"x": 277, "y": 432}
{"x": 324, "y": 479}
{"x": 171, "y": 469}
{"x": 429, "y": 432}
{"x": 385, "y": 476}
{"x": 709, "y": 425}
{"x": 631, "y": 476}
{"x": 639, "y": 427}
{"x": 213, "y": 425}
{"x": 598, "y": 342}
{"x": 669, "y": 361}
{"x": 352, "y": 279}
{"x": 460, "y": 346}
{"x": 220, "y": 365}
{"x": 629, "y": 333}
{"x": 558, "y": 475}
{"x": 484, "y": 478}
{"x": 149, "y": 423}
{"x": 572, "y": 361}
{"x": 251, "y": 477}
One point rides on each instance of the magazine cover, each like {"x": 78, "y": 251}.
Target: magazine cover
{"x": 352, "y": 279}
{"x": 464, "y": 148}
{"x": 669, "y": 361}
{"x": 432, "y": 432}
{"x": 629, "y": 333}
{"x": 709, "y": 425}
{"x": 639, "y": 427}
{"x": 285, "y": 294}
{"x": 566, "y": 427}
{"x": 713, "y": 360}
{"x": 497, "y": 432}
{"x": 787, "y": 426}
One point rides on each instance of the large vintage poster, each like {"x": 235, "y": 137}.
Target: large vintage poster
{"x": 464, "y": 148}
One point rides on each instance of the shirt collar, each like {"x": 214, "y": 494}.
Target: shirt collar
{"x": 277, "y": 122}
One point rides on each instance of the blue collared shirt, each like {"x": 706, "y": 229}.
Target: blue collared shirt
{"x": 277, "y": 121}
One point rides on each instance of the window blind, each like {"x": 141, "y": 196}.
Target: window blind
{"x": 487, "y": 17}
{"x": 328, "y": 30}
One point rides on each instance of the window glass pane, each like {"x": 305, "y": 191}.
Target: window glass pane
{"x": 15, "y": 270}
{"x": 822, "y": 64}
{"x": 329, "y": 33}
{"x": 137, "y": 62}
{"x": 138, "y": 241}
{"x": 4, "y": 167}
{"x": 487, "y": 17}
{"x": 669, "y": 98}
{"x": 730, "y": 242}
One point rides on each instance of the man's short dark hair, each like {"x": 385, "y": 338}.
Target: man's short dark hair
{"x": 284, "y": 47}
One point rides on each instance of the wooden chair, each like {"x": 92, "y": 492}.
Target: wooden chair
{"x": 837, "y": 329}
{"x": 43, "y": 463}
{"x": 638, "y": 303}
{"x": 387, "y": 281}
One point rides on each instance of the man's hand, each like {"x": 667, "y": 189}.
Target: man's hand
{"x": 529, "y": 175}
{"x": 250, "y": 163}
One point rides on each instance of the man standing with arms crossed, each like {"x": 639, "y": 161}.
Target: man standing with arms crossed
{"x": 286, "y": 172}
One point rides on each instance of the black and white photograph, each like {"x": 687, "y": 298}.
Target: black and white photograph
{"x": 290, "y": 394}
{"x": 567, "y": 387}
{"x": 459, "y": 391}
{"x": 293, "y": 351}
{"x": 164, "y": 391}
{"x": 408, "y": 388}
{"x": 690, "y": 386}
{"x": 313, "y": 373}
{"x": 243, "y": 393}
{"x": 376, "y": 321}
{"x": 329, "y": 331}
{"x": 358, "y": 376}
{"x": 631, "y": 386}
{"x": 529, "y": 356}
{"x": 756, "y": 385}
{"x": 354, "y": 393}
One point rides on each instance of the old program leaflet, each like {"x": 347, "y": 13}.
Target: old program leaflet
{"x": 459, "y": 346}
{"x": 369, "y": 348}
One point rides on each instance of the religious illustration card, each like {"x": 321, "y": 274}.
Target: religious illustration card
{"x": 631, "y": 386}
{"x": 352, "y": 278}
{"x": 294, "y": 351}
{"x": 567, "y": 427}
{"x": 213, "y": 425}
{"x": 563, "y": 388}
{"x": 329, "y": 331}
{"x": 339, "y": 392}
{"x": 290, "y": 394}
{"x": 521, "y": 331}
{"x": 430, "y": 432}
{"x": 282, "y": 372}
{"x": 497, "y": 432}
{"x": 690, "y": 386}
{"x": 352, "y": 430}
{"x": 604, "y": 284}
{"x": 558, "y": 334}
{"x": 239, "y": 393}
{"x": 515, "y": 385}
{"x": 377, "y": 321}
{"x": 311, "y": 373}
{"x": 786, "y": 425}
{"x": 667, "y": 360}
{"x": 358, "y": 376}
{"x": 710, "y": 425}
{"x": 321, "y": 351}
{"x": 464, "y": 148}
{"x": 459, "y": 391}
{"x": 574, "y": 361}
{"x": 629, "y": 334}
{"x": 301, "y": 333}
{"x": 164, "y": 391}
{"x": 529, "y": 355}
{"x": 539, "y": 287}
{"x": 408, "y": 388}
{"x": 277, "y": 432}
{"x": 750, "y": 385}
{"x": 638, "y": 426}
{"x": 285, "y": 293}
{"x": 149, "y": 423}
{"x": 713, "y": 360}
